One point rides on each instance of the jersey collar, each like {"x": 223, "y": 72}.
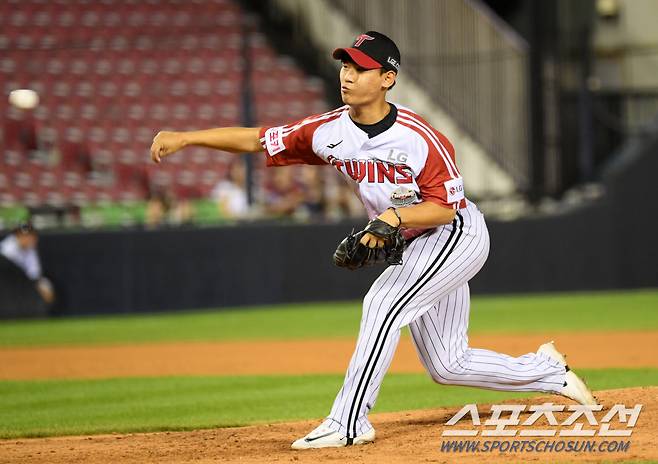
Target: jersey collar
{"x": 373, "y": 130}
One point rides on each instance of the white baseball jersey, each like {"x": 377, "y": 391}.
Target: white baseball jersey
{"x": 410, "y": 153}
{"x": 27, "y": 260}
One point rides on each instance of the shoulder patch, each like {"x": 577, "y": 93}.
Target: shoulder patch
{"x": 454, "y": 189}
{"x": 274, "y": 140}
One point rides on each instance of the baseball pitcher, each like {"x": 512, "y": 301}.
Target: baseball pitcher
{"x": 422, "y": 225}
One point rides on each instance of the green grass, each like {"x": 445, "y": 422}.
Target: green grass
{"x": 620, "y": 310}
{"x": 47, "y": 408}
{"x": 629, "y": 310}
{"x": 274, "y": 322}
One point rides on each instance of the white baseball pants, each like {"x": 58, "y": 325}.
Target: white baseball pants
{"x": 430, "y": 293}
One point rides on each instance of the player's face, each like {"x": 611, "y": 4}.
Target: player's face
{"x": 360, "y": 86}
{"x": 27, "y": 241}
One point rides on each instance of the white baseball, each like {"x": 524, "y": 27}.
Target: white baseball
{"x": 25, "y": 99}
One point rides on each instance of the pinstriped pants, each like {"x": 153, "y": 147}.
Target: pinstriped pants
{"x": 429, "y": 292}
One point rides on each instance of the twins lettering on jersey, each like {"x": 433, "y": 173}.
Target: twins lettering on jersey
{"x": 373, "y": 170}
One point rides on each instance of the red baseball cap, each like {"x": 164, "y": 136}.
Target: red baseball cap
{"x": 372, "y": 50}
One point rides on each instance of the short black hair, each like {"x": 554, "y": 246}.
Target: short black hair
{"x": 24, "y": 228}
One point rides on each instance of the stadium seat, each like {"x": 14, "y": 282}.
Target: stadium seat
{"x": 5, "y": 184}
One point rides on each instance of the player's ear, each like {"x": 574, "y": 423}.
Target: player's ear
{"x": 388, "y": 80}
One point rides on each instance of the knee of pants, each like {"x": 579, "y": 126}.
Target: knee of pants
{"x": 440, "y": 375}
{"x": 438, "y": 378}
{"x": 447, "y": 375}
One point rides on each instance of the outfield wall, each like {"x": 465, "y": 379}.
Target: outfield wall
{"x": 18, "y": 294}
{"x": 129, "y": 271}
{"x": 126, "y": 271}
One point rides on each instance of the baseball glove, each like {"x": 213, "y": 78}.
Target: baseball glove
{"x": 352, "y": 254}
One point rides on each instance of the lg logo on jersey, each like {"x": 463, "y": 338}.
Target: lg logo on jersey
{"x": 454, "y": 190}
{"x": 372, "y": 170}
{"x": 400, "y": 157}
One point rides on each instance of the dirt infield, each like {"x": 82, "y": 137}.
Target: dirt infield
{"x": 591, "y": 350}
{"x": 411, "y": 436}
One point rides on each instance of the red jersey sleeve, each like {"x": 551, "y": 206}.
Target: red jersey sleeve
{"x": 290, "y": 144}
{"x": 440, "y": 181}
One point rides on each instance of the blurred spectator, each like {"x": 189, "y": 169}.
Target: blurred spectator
{"x": 231, "y": 193}
{"x": 284, "y": 195}
{"x": 164, "y": 209}
{"x": 20, "y": 131}
{"x": 48, "y": 146}
{"x": 20, "y": 247}
{"x": 341, "y": 201}
{"x": 134, "y": 178}
{"x": 312, "y": 206}
{"x": 75, "y": 152}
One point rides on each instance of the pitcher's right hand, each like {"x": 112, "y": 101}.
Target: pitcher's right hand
{"x": 165, "y": 143}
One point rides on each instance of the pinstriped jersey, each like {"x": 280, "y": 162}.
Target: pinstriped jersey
{"x": 409, "y": 154}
